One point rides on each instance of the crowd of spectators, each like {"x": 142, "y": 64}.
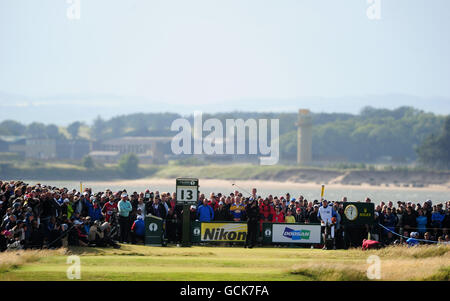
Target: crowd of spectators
{"x": 38, "y": 216}
{"x": 427, "y": 221}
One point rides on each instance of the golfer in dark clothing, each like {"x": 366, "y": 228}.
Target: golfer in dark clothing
{"x": 252, "y": 212}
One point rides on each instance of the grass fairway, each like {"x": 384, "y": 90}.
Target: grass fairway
{"x": 132, "y": 262}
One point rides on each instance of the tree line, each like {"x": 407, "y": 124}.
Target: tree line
{"x": 401, "y": 135}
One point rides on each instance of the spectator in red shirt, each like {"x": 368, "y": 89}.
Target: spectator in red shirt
{"x": 109, "y": 209}
{"x": 278, "y": 216}
{"x": 266, "y": 212}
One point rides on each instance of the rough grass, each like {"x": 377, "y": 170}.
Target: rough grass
{"x": 325, "y": 272}
{"x": 443, "y": 274}
{"x": 132, "y": 262}
{"x": 419, "y": 252}
{"x": 14, "y": 259}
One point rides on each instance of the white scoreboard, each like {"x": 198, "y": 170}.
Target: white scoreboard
{"x": 187, "y": 191}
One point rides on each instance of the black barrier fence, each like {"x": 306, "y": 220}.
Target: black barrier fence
{"x": 293, "y": 234}
{"x": 236, "y": 232}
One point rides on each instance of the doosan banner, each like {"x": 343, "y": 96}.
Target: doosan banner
{"x": 294, "y": 233}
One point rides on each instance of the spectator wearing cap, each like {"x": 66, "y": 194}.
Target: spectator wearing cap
{"x": 412, "y": 241}
{"x": 80, "y": 237}
{"x": 65, "y": 207}
{"x": 124, "y": 208}
{"x": 94, "y": 209}
{"x": 138, "y": 229}
{"x": 299, "y": 215}
{"x": 222, "y": 213}
{"x": 313, "y": 216}
{"x": 96, "y": 235}
{"x": 193, "y": 212}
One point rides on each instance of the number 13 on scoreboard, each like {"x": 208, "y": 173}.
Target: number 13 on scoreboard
{"x": 187, "y": 190}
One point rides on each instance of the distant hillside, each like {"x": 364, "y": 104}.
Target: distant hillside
{"x": 372, "y": 136}
{"x": 64, "y": 109}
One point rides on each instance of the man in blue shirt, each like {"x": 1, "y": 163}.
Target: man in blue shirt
{"x": 138, "y": 229}
{"x": 437, "y": 217}
{"x": 412, "y": 241}
{"x": 204, "y": 212}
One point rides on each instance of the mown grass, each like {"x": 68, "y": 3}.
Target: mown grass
{"x": 132, "y": 262}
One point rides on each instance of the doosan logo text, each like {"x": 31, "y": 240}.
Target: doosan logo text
{"x": 296, "y": 234}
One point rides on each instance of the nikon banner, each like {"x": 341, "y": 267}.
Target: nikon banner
{"x": 291, "y": 233}
{"x": 224, "y": 232}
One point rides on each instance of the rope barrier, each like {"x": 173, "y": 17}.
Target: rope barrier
{"x": 406, "y": 237}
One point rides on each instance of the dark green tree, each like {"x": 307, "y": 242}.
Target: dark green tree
{"x": 88, "y": 162}
{"x": 36, "y": 130}
{"x": 98, "y": 128}
{"x": 73, "y": 129}
{"x": 52, "y": 131}
{"x": 435, "y": 150}
{"x": 12, "y": 128}
{"x": 129, "y": 165}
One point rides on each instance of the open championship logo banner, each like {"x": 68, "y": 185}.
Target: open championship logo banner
{"x": 236, "y": 232}
{"x": 292, "y": 233}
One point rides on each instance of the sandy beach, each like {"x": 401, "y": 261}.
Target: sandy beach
{"x": 248, "y": 184}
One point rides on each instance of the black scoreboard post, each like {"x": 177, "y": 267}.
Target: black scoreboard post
{"x": 187, "y": 195}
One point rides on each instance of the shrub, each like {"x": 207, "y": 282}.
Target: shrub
{"x": 129, "y": 165}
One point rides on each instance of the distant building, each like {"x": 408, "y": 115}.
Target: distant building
{"x": 104, "y": 156}
{"x": 72, "y": 149}
{"x": 148, "y": 149}
{"x": 8, "y": 143}
{"x": 46, "y": 149}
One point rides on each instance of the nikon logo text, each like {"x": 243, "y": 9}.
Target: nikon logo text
{"x": 222, "y": 234}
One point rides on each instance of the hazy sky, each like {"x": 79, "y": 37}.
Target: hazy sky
{"x": 205, "y": 51}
